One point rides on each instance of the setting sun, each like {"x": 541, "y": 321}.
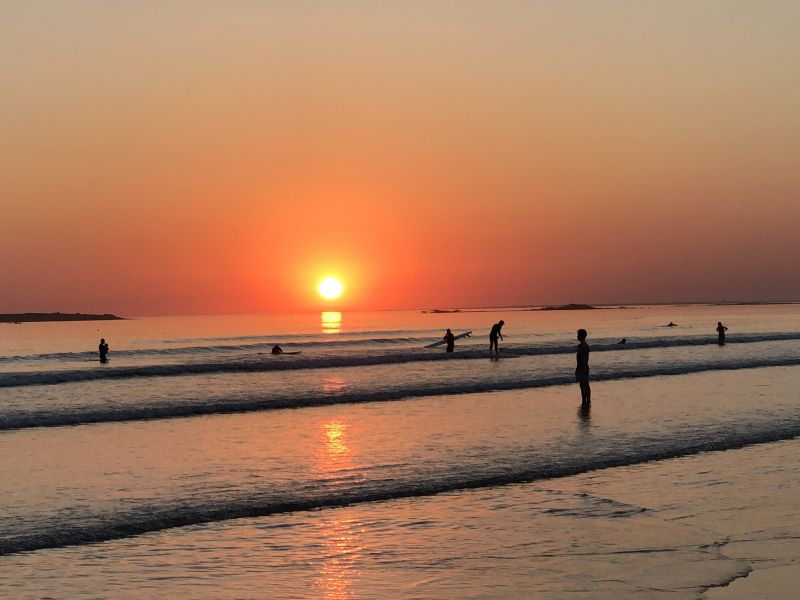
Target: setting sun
{"x": 330, "y": 288}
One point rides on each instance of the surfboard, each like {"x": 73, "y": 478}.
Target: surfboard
{"x": 442, "y": 342}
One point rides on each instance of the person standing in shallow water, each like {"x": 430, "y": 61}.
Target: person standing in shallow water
{"x": 103, "y": 349}
{"x": 450, "y": 339}
{"x": 721, "y": 329}
{"x": 494, "y": 334}
{"x": 582, "y": 370}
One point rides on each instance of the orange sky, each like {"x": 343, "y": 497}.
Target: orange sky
{"x": 208, "y": 157}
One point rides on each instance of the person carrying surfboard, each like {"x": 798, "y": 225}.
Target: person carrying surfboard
{"x": 450, "y": 339}
{"x": 444, "y": 339}
{"x": 494, "y": 334}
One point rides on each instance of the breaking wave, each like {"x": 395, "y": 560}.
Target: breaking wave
{"x": 310, "y": 360}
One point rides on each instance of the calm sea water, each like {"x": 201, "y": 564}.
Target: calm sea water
{"x": 197, "y": 464}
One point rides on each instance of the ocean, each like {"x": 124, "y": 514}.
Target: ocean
{"x": 359, "y": 464}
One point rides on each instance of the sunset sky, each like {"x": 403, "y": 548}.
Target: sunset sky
{"x": 212, "y": 157}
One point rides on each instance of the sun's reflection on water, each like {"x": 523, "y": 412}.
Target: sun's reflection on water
{"x": 331, "y": 321}
{"x": 336, "y": 461}
{"x": 332, "y": 384}
{"x": 337, "y": 442}
{"x": 343, "y": 550}
{"x": 341, "y": 536}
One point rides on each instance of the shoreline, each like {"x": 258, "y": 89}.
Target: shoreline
{"x": 754, "y": 522}
{"x": 774, "y": 582}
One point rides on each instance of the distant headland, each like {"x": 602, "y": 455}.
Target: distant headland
{"x": 56, "y": 316}
{"x": 568, "y": 307}
{"x": 571, "y": 306}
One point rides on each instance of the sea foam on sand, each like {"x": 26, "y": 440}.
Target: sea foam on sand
{"x": 747, "y": 499}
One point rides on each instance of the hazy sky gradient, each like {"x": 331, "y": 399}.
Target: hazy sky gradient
{"x": 187, "y": 157}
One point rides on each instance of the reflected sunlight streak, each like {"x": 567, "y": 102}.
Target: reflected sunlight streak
{"x": 335, "y": 461}
{"x": 332, "y": 384}
{"x": 331, "y": 321}
{"x": 335, "y": 454}
{"x": 342, "y": 549}
{"x": 337, "y": 443}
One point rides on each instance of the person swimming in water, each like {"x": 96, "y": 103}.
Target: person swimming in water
{"x": 277, "y": 349}
{"x": 450, "y": 339}
{"x": 721, "y": 329}
{"x": 493, "y": 335}
{"x": 103, "y": 349}
{"x": 582, "y": 368}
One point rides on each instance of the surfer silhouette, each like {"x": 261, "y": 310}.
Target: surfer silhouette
{"x": 494, "y": 334}
{"x": 582, "y": 370}
{"x": 721, "y": 329}
{"x": 103, "y": 349}
{"x": 277, "y": 349}
{"x": 671, "y": 324}
{"x": 450, "y": 339}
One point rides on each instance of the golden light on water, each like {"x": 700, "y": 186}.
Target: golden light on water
{"x": 341, "y": 546}
{"x": 331, "y": 321}
{"x": 337, "y": 444}
{"x": 332, "y": 384}
{"x": 335, "y": 453}
{"x": 342, "y": 550}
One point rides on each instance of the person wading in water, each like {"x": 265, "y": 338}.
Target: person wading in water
{"x": 582, "y": 370}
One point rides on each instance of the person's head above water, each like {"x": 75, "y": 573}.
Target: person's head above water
{"x": 582, "y": 334}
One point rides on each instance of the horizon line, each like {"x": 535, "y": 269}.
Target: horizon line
{"x": 516, "y": 307}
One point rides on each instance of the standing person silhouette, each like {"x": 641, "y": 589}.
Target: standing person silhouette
{"x": 450, "y": 339}
{"x": 493, "y": 335}
{"x": 582, "y": 369}
{"x": 103, "y": 349}
{"x": 721, "y": 329}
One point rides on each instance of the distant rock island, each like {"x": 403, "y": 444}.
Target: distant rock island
{"x": 568, "y": 307}
{"x": 56, "y": 316}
